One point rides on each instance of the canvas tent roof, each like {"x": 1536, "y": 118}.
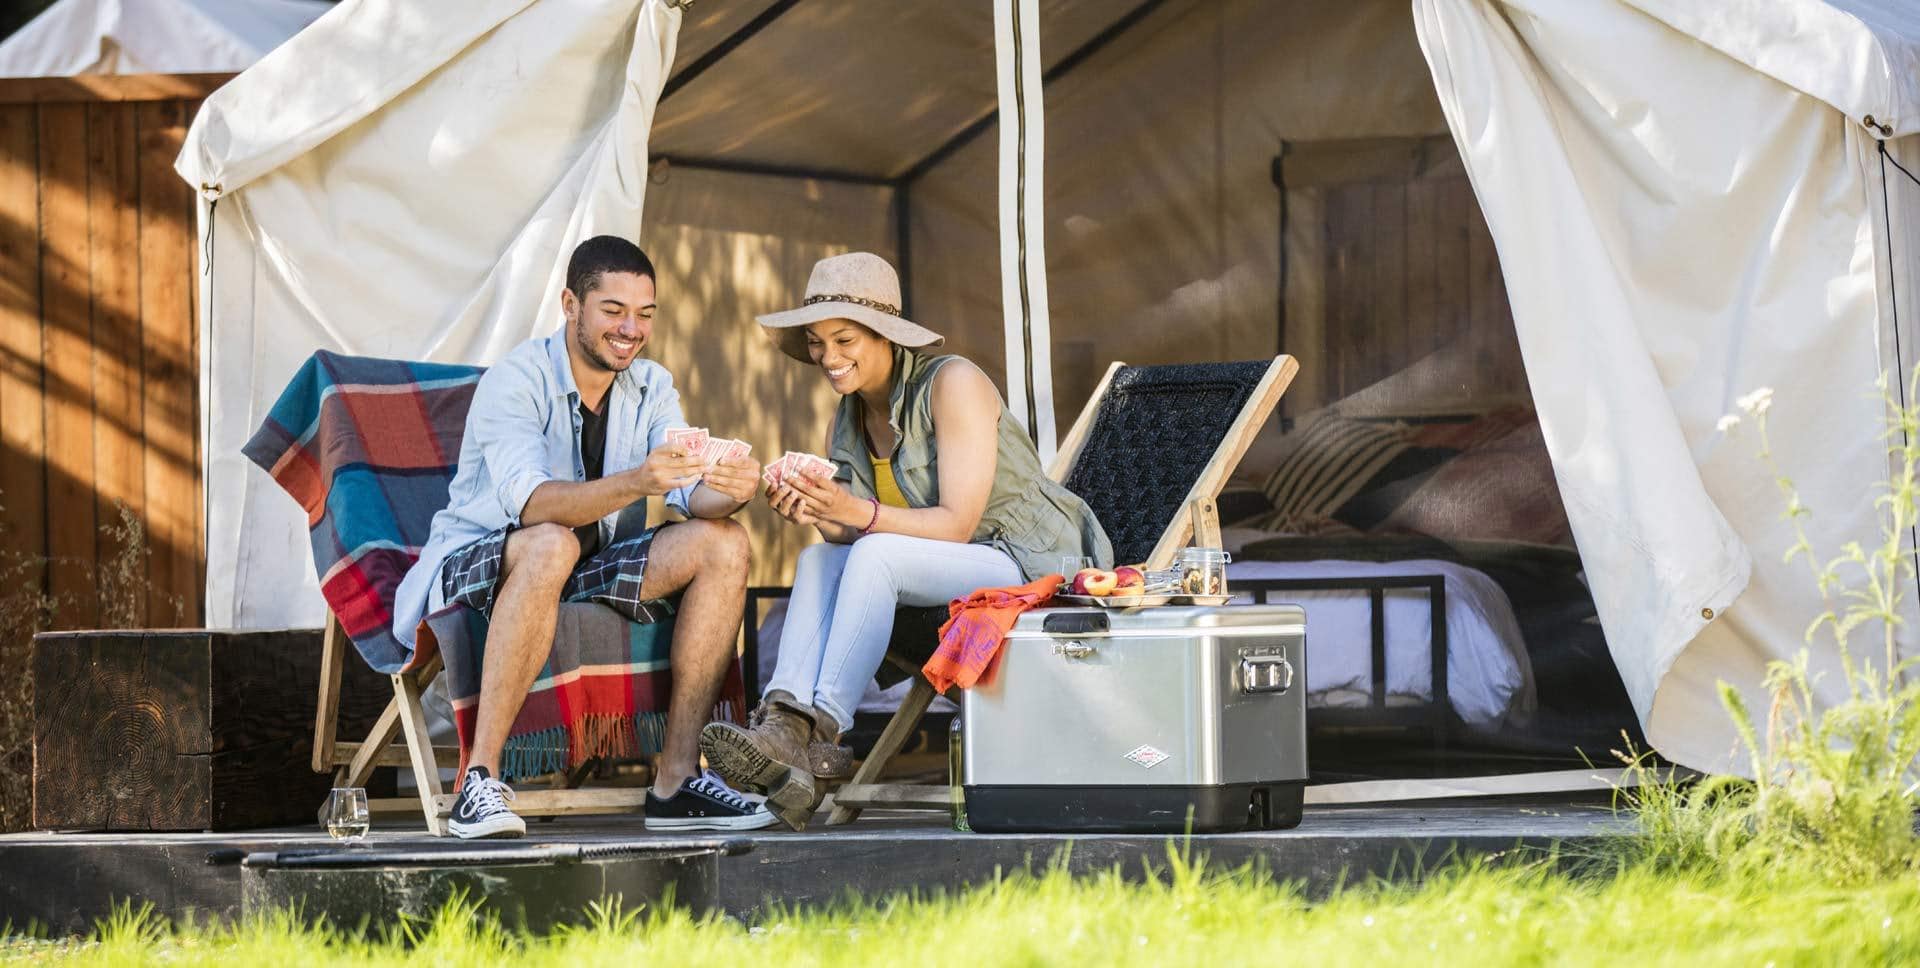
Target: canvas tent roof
{"x": 1680, "y": 213}
{"x": 152, "y": 36}
{"x": 1862, "y": 57}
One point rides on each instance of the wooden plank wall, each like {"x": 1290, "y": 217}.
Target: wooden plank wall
{"x": 98, "y": 372}
{"x": 1389, "y": 261}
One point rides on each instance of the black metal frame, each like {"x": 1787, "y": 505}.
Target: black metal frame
{"x": 750, "y": 634}
{"x": 901, "y": 182}
{"x": 724, "y": 47}
{"x": 1435, "y": 716}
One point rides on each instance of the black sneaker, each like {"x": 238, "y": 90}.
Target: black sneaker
{"x": 705, "y": 802}
{"x": 482, "y": 810}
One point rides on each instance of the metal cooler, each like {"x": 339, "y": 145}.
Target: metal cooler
{"x": 1133, "y": 720}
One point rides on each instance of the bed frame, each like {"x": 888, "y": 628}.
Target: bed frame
{"x": 1435, "y": 716}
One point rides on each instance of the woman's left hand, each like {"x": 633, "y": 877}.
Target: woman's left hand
{"x": 826, "y": 500}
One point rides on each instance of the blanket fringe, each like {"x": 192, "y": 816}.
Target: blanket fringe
{"x": 535, "y": 753}
{"x": 593, "y": 736}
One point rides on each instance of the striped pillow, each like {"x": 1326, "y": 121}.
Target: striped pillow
{"x": 1328, "y": 462}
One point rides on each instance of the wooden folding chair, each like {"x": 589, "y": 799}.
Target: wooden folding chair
{"x": 399, "y": 738}
{"x": 1158, "y": 412}
{"x": 353, "y": 763}
{"x": 369, "y": 418}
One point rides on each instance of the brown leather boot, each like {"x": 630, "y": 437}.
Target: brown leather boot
{"x": 769, "y": 755}
{"x": 825, "y": 756}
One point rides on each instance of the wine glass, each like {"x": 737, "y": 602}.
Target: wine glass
{"x": 347, "y": 819}
{"x": 1070, "y": 565}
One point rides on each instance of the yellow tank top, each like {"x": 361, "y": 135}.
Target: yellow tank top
{"x": 884, "y": 486}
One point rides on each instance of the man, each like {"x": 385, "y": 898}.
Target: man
{"x": 565, "y": 440}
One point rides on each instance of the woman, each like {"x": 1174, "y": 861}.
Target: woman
{"x": 937, "y": 492}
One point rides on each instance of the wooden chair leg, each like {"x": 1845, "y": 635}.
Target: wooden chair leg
{"x": 378, "y": 739}
{"x": 892, "y": 739}
{"x": 326, "y": 716}
{"x": 426, "y": 770}
{"x": 1206, "y": 522}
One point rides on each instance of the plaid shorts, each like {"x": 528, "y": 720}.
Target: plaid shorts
{"x": 611, "y": 576}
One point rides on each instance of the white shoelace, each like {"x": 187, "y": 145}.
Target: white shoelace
{"x": 490, "y": 796}
{"x": 716, "y": 788}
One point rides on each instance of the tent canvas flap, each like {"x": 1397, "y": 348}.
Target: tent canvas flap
{"x": 373, "y": 240}
{"x": 1860, "y": 56}
{"x": 1676, "y": 230}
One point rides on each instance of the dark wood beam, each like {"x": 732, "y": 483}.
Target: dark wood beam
{"x": 779, "y": 171}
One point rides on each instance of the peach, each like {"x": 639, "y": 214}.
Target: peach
{"x": 1100, "y": 585}
{"x": 1129, "y": 575}
{"x": 1078, "y": 584}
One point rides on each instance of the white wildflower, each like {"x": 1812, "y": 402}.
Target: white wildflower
{"x": 1727, "y": 423}
{"x": 1757, "y": 402}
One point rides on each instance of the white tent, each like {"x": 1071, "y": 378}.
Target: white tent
{"x": 152, "y": 36}
{"x": 1685, "y": 208}
{"x": 1688, "y": 203}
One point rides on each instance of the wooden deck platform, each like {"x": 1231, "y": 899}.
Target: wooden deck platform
{"x": 61, "y": 883}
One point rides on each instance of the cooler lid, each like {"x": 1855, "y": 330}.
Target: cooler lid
{"x": 1093, "y": 620}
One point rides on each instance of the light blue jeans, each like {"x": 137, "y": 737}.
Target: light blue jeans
{"x": 841, "y": 613}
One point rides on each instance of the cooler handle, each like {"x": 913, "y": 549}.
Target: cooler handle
{"x": 1075, "y": 623}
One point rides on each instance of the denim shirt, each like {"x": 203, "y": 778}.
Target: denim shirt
{"x": 523, "y": 429}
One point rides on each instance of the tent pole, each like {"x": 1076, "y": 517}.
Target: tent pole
{"x": 1023, "y": 263}
{"x": 1079, "y": 56}
{"x": 903, "y": 241}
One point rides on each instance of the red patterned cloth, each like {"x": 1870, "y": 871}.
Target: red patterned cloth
{"x": 976, "y": 626}
{"x": 368, "y": 448}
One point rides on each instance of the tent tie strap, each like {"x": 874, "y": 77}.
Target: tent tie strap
{"x": 1885, "y": 157}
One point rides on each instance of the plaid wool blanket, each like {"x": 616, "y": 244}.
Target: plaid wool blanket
{"x": 368, "y": 447}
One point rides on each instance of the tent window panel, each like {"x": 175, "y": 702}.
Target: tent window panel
{"x": 1386, "y": 263}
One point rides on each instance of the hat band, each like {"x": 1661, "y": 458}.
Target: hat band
{"x": 887, "y": 308}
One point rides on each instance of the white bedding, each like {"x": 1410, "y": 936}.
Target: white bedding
{"x": 1488, "y": 676}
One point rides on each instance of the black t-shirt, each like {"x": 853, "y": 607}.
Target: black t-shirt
{"x": 593, "y": 451}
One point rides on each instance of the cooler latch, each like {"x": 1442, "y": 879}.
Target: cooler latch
{"x": 1265, "y": 670}
{"x": 1072, "y": 625}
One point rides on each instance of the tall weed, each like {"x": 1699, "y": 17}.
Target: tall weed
{"x": 1833, "y": 785}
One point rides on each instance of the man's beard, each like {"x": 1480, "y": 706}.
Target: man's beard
{"x": 592, "y": 350}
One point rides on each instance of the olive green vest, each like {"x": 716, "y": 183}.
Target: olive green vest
{"x": 1032, "y": 518}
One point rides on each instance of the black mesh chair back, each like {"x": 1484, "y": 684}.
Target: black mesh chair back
{"x": 1135, "y": 456}
{"x": 1155, "y": 431}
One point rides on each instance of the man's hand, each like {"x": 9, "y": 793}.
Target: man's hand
{"x": 736, "y": 478}
{"x": 666, "y": 468}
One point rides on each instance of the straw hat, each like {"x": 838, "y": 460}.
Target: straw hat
{"x": 859, "y": 286}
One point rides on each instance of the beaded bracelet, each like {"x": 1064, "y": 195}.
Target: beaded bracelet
{"x": 872, "y": 520}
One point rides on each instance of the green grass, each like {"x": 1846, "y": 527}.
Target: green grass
{"x": 1524, "y": 913}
